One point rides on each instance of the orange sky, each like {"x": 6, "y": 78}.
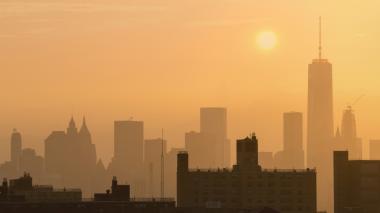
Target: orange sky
{"x": 159, "y": 61}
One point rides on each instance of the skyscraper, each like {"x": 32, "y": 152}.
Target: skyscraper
{"x": 292, "y": 155}
{"x": 320, "y": 126}
{"x": 129, "y": 142}
{"x": 16, "y": 148}
{"x": 213, "y": 124}
{"x": 346, "y": 139}
{"x": 127, "y": 163}
{"x": 214, "y": 121}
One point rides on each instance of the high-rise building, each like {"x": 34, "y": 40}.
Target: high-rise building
{"x": 16, "y": 148}
{"x": 292, "y": 155}
{"x": 374, "y": 149}
{"x": 356, "y": 184}
{"x": 127, "y": 163}
{"x": 129, "y": 142}
{"x": 212, "y": 136}
{"x": 195, "y": 144}
{"x": 320, "y": 126}
{"x": 214, "y": 121}
{"x": 346, "y": 139}
{"x": 266, "y": 160}
{"x": 247, "y": 185}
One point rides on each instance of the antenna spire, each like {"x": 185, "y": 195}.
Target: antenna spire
{"x": 162, "y": 166}
{"x": 320, "y": 38}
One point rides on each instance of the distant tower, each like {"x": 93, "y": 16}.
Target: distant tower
{"x": 16, "y": 147}
{"x": 348, "y": 123}
{"x": 84, "y": 133}
{"x": 348, "y": 135}
{"x": 320, "y": 124}
{"x": 213, "y": 125}
{"x": 72, "y": 130}
{"x": 292, "y": 136}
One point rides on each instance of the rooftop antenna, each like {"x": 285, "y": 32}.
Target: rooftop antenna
{"x": 320, "y": 38}
{"x": 162, "y": 165}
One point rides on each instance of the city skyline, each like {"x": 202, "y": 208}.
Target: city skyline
{"x": 104, "y": 86}
{"x": 159, "y": 97}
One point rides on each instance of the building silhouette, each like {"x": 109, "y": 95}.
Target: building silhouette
{"x": 266, "y": 159}
{"x": 127, "y": 162}
{"x": 292, "y": 155}
{"x": 32, "y": 163}
{"x": 22, "y": 189}
{"x": 346, "y": 138}
{"x": 247, "y": 185}
{"x": 356, "y": 184}
{"x": 171, "y": 172}
{"x": 117, "y": 193}
{"x": 196, "y": 144}
{"x": 374, "y": 149}
{"x": 78, "y": 169}
{"x": 22, "y": 160}
{"x": 213, "y": 123}
{"x": 212, "y": 136}
{"x": 320, "y": 131}
{"x": 16, "y": 148}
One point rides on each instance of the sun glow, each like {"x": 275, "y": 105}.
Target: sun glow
{"x": 266, "y": 40}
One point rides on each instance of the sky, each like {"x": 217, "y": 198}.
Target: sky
{"x": 160, "y": 61}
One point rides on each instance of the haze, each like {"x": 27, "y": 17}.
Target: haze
{"x": 160, "y": 61}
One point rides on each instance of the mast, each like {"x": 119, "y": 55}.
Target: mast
{"x": 162, "y": 166}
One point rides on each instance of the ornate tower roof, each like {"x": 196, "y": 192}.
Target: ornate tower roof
{"x": 72, "y": 129}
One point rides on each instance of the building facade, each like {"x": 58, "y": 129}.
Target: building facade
{"x": 247, "y": 185}
{"x": 356, "y": 184}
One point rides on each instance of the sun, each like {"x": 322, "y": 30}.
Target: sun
{"x": 266, "y": 40}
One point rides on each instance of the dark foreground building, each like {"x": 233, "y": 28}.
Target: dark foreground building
{"x": 23, "y": 190}
{"x": 356, "y": 184}
{"x": 246, "y": 186}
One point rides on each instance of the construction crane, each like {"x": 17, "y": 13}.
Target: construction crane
{"x": 355, "y": 101}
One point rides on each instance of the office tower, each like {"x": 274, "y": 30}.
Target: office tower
{"x": 214, "y": 121}
{"x": 212, "y": 136}
{"x": 127, "y": 163}
{"x": 195, "y": 144}
{"x": 16, "y": 148}
{"x": 292, "y": 155}
{"x": 374, "y": 149}
{"x": 346, "y": 139}
{"x": 213, "y": 124}
{"x": 129, "y": 139}
{"x": 320, "y": 126}
{"x": 247, "y": 185}
{"x": 356, "y": 184}
{"x": 266, "y": 160}
{"x": 152, "y": 164}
